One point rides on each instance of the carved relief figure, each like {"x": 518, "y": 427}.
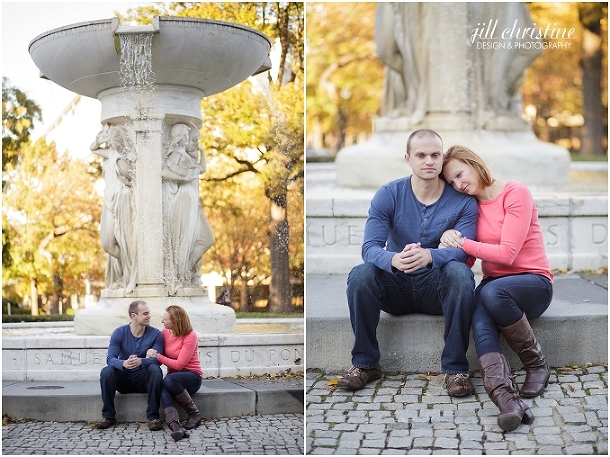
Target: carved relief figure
{"x": 407, "y": 34}
{"x": 188, "y": 232}
{"x": 112, "y": 143}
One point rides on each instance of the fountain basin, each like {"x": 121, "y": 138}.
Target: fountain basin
{"x": 208, "y": 55}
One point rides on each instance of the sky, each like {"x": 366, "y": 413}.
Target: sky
{"x": 21, "y": 23}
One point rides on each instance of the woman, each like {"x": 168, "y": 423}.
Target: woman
{"x": 517, "y": 281}
{"x": 183, "y": 370}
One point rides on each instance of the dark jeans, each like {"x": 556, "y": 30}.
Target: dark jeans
{"x": 501, "y": 302}
{"x": 143, "y": 380}
{"x": 448, "y": 291}
{"x": 175, "y": 383}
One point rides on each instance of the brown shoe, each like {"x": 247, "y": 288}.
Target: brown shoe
{"x": 105, "y": 422}
{"x": 458, "y": 385}
{"x": 154, "y": 425}
{"x": 356, "y": 378}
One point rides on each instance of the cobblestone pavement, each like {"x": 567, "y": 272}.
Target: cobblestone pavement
{"x": 258, "y": 435}
{"x": 412, "y": 414}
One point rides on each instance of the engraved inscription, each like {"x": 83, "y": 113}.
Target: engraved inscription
{"x": 69, "y": 358}
{"x": 554, "y": 238}
{"x": 334, "y": 235}
{"x": 600, "y": 233}
{"x": 271, "y": 355}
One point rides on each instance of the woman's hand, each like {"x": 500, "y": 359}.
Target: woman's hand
{"x": 152, "y": 353}
{"x": 451, "y": 239}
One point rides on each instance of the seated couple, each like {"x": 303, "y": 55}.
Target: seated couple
{"x": 135, "y": 353}
{"x": 422, "y": 235}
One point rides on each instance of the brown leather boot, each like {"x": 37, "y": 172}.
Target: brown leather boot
{"x": 173, "y": 422}
{"x": 521, "y": 339}
{"x": 185, "y": 400}
{"x": 498, "y": 384}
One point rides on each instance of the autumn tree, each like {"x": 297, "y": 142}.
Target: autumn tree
{"x": 18, "y": 116}
{"x": 53, "y": 212}
{"x": 344, "y": 75}
{"x": 235, "y": 208}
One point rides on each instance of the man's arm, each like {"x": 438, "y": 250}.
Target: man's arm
{"x": 466, "y": 224}
{"x": 377, "y": 229}
{"x": 157, "y": 345}
{"x": 114, "y": 350}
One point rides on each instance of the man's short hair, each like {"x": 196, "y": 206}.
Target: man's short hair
{"x": 419, "y": 134}
{"x": 134, "y": 306}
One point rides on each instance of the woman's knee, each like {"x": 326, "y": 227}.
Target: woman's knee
{"x": 489, "y": 297}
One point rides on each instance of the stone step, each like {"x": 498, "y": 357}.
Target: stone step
{"x": 573, "y": 331}
{"x": 76, "y": 401}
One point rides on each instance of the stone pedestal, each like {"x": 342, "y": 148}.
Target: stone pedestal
{"x": 510, "y": 154}
{"x": 111, "y": 312}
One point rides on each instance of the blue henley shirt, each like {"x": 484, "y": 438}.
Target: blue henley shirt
{"x": 123, "y": 344}
{"x": 396, "y": 218}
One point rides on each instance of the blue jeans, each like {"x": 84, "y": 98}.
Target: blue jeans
{"x": 143, "y": 380}
{"x": 447, "y": 291}
{"x": 501, "y": 302}
{"x": 175, "y": 383}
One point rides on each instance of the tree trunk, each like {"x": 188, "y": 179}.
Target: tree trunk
{"x": 34, "y": 296}
{"x": 591, "y": 62}
{"x": 243, "y": 295}
{"x": 280, "y": 293}
{"x": 52, "y": 306}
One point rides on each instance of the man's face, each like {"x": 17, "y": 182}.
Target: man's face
{"x": 426, "y": 158}
{"x": 143, "y": 316}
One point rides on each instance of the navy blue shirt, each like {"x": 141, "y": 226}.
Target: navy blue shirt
{"x": 397, "y": 218}
{"x": 123, "y": 344}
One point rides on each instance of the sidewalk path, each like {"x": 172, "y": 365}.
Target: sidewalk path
{"x": 412, "y": 414}
{"x": 273, "y": 434}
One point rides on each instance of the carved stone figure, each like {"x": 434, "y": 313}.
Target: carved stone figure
{"x": 117, "y": 237}
{"x": 188, "y": 232}
{"x": 416, "y": 40}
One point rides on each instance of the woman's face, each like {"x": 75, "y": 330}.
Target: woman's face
{"x": 462, "y": 177}
{"x": 166, "y": 322}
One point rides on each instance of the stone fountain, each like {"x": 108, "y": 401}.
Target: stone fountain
{"x": 150, "y": 81}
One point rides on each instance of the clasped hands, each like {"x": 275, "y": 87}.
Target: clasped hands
{"x": 411, "y": 258}
{"x": 451, "y": 239}
{"x": 132, "y": 362}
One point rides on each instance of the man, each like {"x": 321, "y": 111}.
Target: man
{"x": 128, "y": 369}
{"x": 405, "y": 272}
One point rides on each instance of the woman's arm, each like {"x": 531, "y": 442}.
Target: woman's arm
{"x": 188, "y": 348}
{"x": 518, "y": 208}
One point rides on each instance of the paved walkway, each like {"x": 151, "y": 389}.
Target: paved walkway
{"x": 258, "y": 435}
{"x": 412, "y": 414}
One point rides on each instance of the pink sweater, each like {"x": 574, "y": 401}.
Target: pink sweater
{"x": 509, "y": 238}
{"x": 181, "y": 352}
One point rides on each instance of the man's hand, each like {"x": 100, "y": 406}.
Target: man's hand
{"x": 132, "y": 362}
{"x": 413, "y": 257}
